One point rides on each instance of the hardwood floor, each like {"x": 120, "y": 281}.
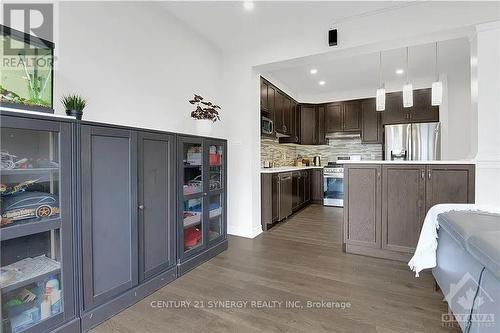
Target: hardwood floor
{"x": 300, "y": 260}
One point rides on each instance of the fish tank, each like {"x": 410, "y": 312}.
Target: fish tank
{"x": 27, "y": 70}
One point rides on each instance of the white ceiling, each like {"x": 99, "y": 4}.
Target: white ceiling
{"x": 230, "y": 27}
{"x": 362, "y": 71}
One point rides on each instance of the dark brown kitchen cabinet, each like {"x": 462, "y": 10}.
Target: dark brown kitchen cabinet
{"x": 264, "y": 97}
{"x": 307, "y": 174}
{"x": 343, "y": 117}
{"x": 371, "y": 122}
{"x": 317, "y": 186}
{"x": 394, "y": 112}
{"x": 287, "y": 116}
{"x": 278, "y": 112}
{"x": 352, "y": 116}
{"x": 294, "y": 132}
{"x": 308, "y": 124}
{"x": 403, "y": 206}
{"x": 319, "y": 132}
{"x": 362, "y": 205}
{"x": 407, "y": 192}
{"x": 296, "y": 180}
{"x": 449, "y": 184}
{"x": 421, "y": 111}
{"x": 334, "y": 117}
{"x": 312, "y": 124}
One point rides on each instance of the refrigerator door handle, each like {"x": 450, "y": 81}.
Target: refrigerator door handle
{"x": 409, "y": 142}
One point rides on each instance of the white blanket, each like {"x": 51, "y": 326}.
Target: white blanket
{"x": 425, "y": 253}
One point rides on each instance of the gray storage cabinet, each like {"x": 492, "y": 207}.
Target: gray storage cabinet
{"x": 109, "y": 213}
{"x": 202, "y": 200}
{"x": 156, "y": 192}
{"x": 35, "y": 137}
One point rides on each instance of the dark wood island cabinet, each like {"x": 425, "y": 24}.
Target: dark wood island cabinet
{"x": 385, "y": 203}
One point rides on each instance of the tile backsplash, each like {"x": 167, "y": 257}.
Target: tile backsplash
{"x": 285, "y": 154}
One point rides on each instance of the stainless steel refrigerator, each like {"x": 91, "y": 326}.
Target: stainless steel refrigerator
{"x": 417, "y": 142}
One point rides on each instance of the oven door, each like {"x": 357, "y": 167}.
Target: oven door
{"x": 333, "y": 185}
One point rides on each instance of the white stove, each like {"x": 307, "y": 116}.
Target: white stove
{"x": 333, "y": 181}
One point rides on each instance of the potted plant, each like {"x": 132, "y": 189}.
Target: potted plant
{"x": 74, "y": 105}
{"x": 205, "y": 114}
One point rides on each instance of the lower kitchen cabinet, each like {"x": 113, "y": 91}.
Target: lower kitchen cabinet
{"x": 317, "y": 186}
{"x": 403, "y": 206}
{"x": 450, "y": 183}
{"x": 201, "y": 200}
{"x": 385, "y": 204}
{"x": 109, "y": 213}
{"x": 362, "y": 205}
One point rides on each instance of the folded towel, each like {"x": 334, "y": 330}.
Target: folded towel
{"x": 425, "y": 253}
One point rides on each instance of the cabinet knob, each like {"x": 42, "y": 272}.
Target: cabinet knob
{"x": 205, "y": 194}
{"x": 141, "y": 207}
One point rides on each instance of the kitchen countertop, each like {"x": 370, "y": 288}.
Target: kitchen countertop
{"x": 408, "y": 162}
{"x": 288, "y": 169}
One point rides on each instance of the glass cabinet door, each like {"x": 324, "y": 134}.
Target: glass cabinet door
{"x": 216, "y": 215}
{"x": 193, "y": 168}
{"x": 215, "y": 166}
{"x": 29, "y": 176}
{"x": 35, "y": 194}
{"x": 193, "y": 224}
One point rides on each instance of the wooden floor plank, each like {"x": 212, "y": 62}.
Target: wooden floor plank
{"x": 298, "y": 260}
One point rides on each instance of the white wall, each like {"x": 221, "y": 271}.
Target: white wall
{"x": 137, "y": 65}
{"x": 417, "y": 24}
{"x": 487, "y": 105}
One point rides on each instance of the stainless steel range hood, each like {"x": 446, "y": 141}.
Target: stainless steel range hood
{"x": 343, "y": 135}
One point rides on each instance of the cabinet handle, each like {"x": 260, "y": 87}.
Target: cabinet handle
{"x": 141, "y": 207}
{"x": 205, "y": 194}
{"x": 423, "y": 174}
{"x": 429, "y": 174}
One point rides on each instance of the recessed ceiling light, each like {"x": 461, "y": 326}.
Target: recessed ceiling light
{"x": 313, "y": 71}
{"x": 400, "y": 71}
{"x": 321, "y": 83}
{"x": 248, "y": 5}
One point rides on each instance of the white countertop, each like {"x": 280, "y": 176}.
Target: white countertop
{"x": 408, "y": 162}
{"x": 288, "y": 169}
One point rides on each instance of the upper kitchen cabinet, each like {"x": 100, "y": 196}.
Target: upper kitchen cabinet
{"x": 312, "y": 122}
{"x": 421, "y": 111}
{"x": 278, "y": 112}
{"x": 294, "y": 133}
{"x": 394, "y": 112}
{"x": 343, "y": 117}
{"x": 334, "y": 118}
{"x": 307, "y": 124}
{"x": 287, "y": 116}
{"x": 371, "y": 122}
{"x": 320, "y": 138}
{"x": 264, "y": 104}
{"x": 352, "y": 116}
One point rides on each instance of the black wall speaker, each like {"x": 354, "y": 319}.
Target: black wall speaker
{"x": 332, "y": 37}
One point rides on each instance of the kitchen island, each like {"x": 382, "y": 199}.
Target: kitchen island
{"x": 385, "y": 202}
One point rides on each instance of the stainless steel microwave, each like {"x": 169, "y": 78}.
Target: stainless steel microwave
{"x": 267, "y": 126}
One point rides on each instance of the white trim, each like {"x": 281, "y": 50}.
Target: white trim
{"x": 488, "y": 26}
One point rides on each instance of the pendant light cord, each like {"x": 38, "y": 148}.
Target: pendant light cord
{"x": 436, "y": 63}
{"x": 380, "y": 71}
{"x": 407, "y": 67}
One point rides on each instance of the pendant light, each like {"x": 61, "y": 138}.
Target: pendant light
{"x": 380, "y": 99}
{"x": 437, "y": 86}
{"x": 408, "y": 87}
